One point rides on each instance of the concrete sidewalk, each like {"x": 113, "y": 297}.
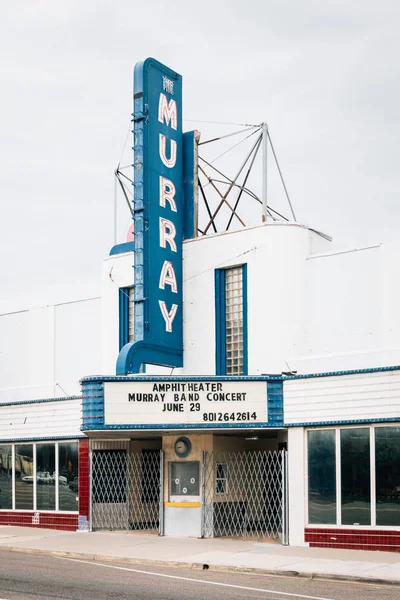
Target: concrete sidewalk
{"x": 262, "y": 557}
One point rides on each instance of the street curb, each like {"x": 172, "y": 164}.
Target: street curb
{"x": 200, "y": 566}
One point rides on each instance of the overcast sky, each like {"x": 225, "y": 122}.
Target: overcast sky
{"x": 324, "y": 74}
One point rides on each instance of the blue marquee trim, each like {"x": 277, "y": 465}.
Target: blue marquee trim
{"x": 40, "y": 401}
{"x": 93, "y": 404}
{"x": 97, "y": 378}
{"x": 336, "y": 373}
{"x": 122, "y": 248}
{"x": 344, "y": 422}
{"x": 187, "y": 426}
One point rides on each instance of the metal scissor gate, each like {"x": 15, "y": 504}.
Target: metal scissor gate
{"x": 245, "y": 494}
{"x": 126, "y": 489}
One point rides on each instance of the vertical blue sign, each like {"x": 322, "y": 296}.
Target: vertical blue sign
{"x": 158, "y": 218}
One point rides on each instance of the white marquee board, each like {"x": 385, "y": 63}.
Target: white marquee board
{"x": 185, "y": 402}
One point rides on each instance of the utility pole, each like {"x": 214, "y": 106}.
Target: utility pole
{"x": 264, "y": 171}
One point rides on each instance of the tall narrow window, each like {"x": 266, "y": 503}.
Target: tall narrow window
{"x": 126, "y": 316}
{"x": 355, "y": 470}
{"x": 24, "y": 476}
{"x": 45, "y": 477}
{"x": 5, "y": 477}
{"x": 321, "y": 477}
{"x": 231, "y": 320}
{"x": 387, "y": 461}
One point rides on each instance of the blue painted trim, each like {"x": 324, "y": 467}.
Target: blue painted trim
{"x": 344, "y": 422}
{"x": 245, "y": 325}
{"x": 93, "y": 404}
{"x": 122, "y": 248}
{"x": 220, "y": 322}
{"x": 153, "y": 344}
{"x": 336, "y": 373}
{"x": 133, "y": 355}
{"x": 123, "y": 317}
{"x": 40, "y": 401}
{"x": 189, "y": 176}
{"x": 102, "y": 378}
{"x": 187, "y": 426}
{"x": 275, "y": 402}
{"x": 53, "y": 438}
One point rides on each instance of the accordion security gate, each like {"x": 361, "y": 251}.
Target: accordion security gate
{"x": 126, "y": 490}
{"x": 245, "y": 494}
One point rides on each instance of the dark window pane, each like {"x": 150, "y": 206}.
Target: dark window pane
{"x": 45, "y": 477}
{"x": 68, "y": 476}
{"x": 321, "y": 477}
{"x": 5, "y": 477}
{"x": 24, "y": 477}
{"x": 185, "y": 478}
{"x": 150, "y": 476}
{"x": 109, "y": 481}
{"x": 355, "y": 471}
{"x": 387, "y": 460}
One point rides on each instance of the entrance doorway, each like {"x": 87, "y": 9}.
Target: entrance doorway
{"x": 245, "y": 494}
{"x": 126, "y": 489}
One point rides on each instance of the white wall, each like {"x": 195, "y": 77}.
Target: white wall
{"x": 342, "y": 397}
{"x": 45, "y": 351}
{"x": 40, "y": 419}
{"x": 306, "y": 312}
{"x": 352, "y": 319}
{"x": 276, "y": 266}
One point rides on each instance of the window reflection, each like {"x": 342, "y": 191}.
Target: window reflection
{"x": 5, "y": 477}
{"x": 355, "y": 472}
{"x": 68, "y": 476}
{"x": 24, "y": 476}
{"x": 387, "y": 461}
{"x": 321, "y": 477}
{"x": 45, "y": 477}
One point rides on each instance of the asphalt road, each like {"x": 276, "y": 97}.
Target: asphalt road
{"x": 30, "y": 577}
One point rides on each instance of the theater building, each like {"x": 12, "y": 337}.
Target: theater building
{"x": 241, "y": 384}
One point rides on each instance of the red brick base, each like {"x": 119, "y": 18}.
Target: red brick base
{"x": 356, "y": 539}
{"x": 61, "y": 521}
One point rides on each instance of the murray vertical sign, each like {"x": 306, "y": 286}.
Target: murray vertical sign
{"x": 158, "y": 218}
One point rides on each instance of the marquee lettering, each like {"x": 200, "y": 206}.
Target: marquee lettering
{"x": 168, "y": 114}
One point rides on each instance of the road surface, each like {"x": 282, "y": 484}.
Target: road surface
{"x": 34, "y": 577}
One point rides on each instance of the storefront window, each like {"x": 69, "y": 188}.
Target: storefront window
{"x": 45, "y": 477}
{"x": 24, "y": 477}
{"x": 321, "y": 477}
{"x": 5, "y": 477}
{"x": 68, "y": 476}
{"x": 355, "y": 473}
{"x": 387, "y": 463}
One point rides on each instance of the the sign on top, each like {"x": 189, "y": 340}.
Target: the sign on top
{"x": 158, "y": 217}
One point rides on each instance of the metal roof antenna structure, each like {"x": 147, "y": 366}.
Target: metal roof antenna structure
{"x": 264, "y": 197}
